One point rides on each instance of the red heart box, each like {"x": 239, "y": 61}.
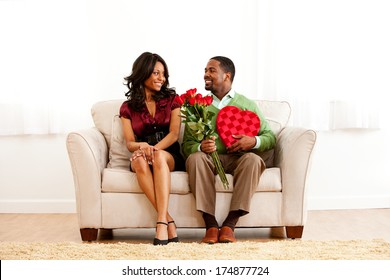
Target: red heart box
{"x": 231, "y": 120}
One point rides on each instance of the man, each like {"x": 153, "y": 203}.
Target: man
{"x": 240, "y": 159}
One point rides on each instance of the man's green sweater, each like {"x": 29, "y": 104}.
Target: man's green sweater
{"x": 267, "y": 138}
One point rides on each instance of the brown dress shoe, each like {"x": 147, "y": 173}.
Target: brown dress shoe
{"x": 211, "y": 236}
{"x": 226, "y": 235}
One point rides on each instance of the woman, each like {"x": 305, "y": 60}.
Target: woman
{"x": 151, "y": 125}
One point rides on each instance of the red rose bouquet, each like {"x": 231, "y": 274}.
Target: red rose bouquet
{"x": 194, "y": 109}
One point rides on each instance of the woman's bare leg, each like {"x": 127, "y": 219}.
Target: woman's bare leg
{"x": 162, "y": 166}
{"x": 145, "y": 178}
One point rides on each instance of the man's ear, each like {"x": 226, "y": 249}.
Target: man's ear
{"x": 228, "y": 75}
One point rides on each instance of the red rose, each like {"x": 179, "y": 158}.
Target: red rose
{"x": 190, "y": 93}
{"x": 208, "y": 99}
{"x": 199, "y": 99}
{"x": 192, "y": 101}
{"x": 179, "y": 99}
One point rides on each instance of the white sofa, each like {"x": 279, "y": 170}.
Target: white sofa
{"x": 108, "y": 195}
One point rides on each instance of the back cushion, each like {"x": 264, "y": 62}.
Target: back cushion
{"x": 105, "y": 115}
{"x": 277, "y": 113}
{"x": 119, "y": 155}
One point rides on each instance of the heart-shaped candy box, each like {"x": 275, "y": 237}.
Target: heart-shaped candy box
{"x": 231, "y": 120}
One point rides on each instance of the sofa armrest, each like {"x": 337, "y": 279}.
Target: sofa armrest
{"x": 292, "y": 155}
{"x": 88, "y": 154}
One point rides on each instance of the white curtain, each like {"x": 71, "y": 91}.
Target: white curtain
{"x": 330, "y": 59}
{"x": 43, "y": 67}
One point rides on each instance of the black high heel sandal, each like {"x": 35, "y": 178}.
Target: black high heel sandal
{"x": 175, "y": 239}
{"x": 157, "y": 241}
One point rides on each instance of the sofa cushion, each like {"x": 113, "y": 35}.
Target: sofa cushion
{"x": 277, "y": 113}
{"x": 119, "y": 155}
{"x": 123, "y": 181}
{"x": 102, "y": 115}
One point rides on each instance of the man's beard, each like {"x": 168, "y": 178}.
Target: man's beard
{"x": 209, "y": 87}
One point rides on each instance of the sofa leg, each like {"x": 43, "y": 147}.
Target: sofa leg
{"x": 88, "y": 234}
{"x": 294, "y": 232}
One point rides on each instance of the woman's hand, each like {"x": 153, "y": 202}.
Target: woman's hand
{"x": 149, "y": 154}
{"x": 146, "y": 151}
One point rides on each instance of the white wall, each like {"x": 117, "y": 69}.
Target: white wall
{"x": 35, "y": 175}
{"x": 66, "y": 54}
{"x": 350, "y": 170}
{"x": 185, "y": 33}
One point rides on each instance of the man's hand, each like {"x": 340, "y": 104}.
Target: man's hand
{"x": 208, "y": 145}
{"x": 244, "y": 143}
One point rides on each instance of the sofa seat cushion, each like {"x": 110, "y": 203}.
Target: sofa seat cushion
{"x": 123, "y": 181}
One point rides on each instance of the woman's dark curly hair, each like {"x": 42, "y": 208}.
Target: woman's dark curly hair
{"x": 143, "y": 67}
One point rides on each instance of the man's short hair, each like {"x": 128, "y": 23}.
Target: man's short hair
{"x": 226, "y": 64}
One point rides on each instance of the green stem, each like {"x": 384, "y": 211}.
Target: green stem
{"x": 220, "y": 170}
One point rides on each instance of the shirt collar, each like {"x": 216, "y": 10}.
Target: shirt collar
{"x": 225, "y": 100}
{"x": 230, "y": 95}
